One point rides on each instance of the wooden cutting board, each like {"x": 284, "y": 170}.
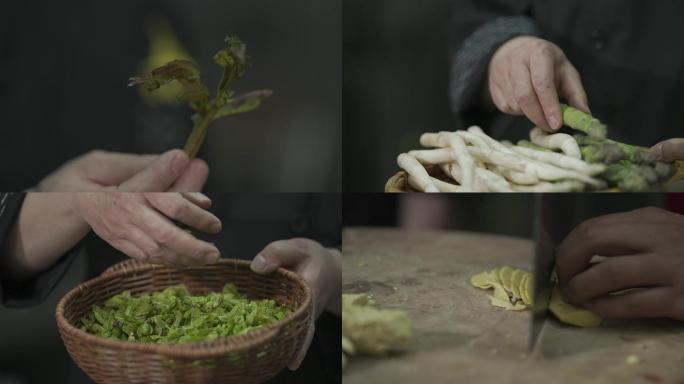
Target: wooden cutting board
{"x": 460, "y": 338}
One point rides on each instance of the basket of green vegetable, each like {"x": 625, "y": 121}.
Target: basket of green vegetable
{"x": 144, "y": 323}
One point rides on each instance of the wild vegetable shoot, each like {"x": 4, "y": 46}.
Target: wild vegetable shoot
{"x": 175, "y": 316}
{"x": 233, "y": 61}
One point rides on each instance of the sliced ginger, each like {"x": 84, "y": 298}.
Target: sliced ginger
{"x": 506, "y": 284}
{"x": 514, "y": 291}
{"x": 571, "y": 314}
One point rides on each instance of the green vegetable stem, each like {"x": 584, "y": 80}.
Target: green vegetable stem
{"x": 574, "y": 118}
{"x": 233, "y": 61}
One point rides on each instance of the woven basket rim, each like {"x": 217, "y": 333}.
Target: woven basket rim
{"x": 194, "y": 350}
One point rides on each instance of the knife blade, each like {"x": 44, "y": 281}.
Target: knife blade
{"x": 546, "y": 225}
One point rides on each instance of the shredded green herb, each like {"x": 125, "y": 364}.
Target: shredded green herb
{"x": 175, "y": 316}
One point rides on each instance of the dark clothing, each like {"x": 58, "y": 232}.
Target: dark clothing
{"x": 30, "y": 291}
{"x": 627, "y": 52}
{"x": 250, "y": 222}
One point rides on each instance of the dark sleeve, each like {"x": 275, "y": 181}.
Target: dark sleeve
{"x": 33, "y": 290}
{"x": 478, "y": 28}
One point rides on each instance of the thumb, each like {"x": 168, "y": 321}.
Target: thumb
{"x": 281, "y": 253}
{"x": 669, "y": 150}
{"x": 159, "y": 175}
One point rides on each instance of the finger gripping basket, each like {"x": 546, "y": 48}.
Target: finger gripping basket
{"x": 249, "y": 358}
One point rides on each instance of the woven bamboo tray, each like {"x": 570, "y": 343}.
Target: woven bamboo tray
{"x": 253, "y": 357}
{"x": 398, "y": 183}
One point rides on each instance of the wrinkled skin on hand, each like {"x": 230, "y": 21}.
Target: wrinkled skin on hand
{"x": 139, "y": 225}
{"x": 527, "y": 75}
{"x": 643, "y": 254}
{"x": 669, "y": 150}
{"x": 100, "y": 170}
{"x": 320, "y": 267}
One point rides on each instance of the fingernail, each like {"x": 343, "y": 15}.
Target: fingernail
{"x": 260, "y": 264}
{"x": 200, "y": 197}
{"x": 178, "y": 162}
{"x": 553, "y": 122}
{"x": 213, "y": 257}
{"x": 216, "y": 226}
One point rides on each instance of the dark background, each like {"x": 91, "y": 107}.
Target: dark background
{"x": 395, "y": 83}
{"x": 31, "y": 350}
{"x": 506, "y": 214}
{"x": 64, "y": 68}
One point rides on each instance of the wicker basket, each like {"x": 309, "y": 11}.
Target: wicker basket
{"x": 249, "y": 358}
{"x": 399, "y": 181}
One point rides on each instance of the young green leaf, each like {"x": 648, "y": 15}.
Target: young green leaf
{"x": 233, "y": 60}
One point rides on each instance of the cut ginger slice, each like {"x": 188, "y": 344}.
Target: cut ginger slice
{"x": 516, "y": 277}
{"x": 571, "y": 314}
{"x": 514, "y": 291}
{"x": 483, "y": 280}
{"x": 523, "y": 288}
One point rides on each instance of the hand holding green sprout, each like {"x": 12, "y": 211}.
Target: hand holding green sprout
{"x": 233, "y": 61}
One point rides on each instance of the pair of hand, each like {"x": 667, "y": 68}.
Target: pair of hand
{"x": 644, "y": 256}
{"x": 140, "y": 224}
{"x": 528, "y": 75}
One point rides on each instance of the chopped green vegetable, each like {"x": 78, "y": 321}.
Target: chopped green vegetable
{"x": 611, "y": 151}
{"x": 233, "y": 61}
{"x": 574, "y": 118}
{"x": 175, "y": 316}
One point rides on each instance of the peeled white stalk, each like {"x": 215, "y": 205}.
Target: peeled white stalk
{"x": 444, "y": 157}
{"x": 420, "y": 175}
{"x": 516, "y": 177}
{"x": 485, "y": 180}
{"x": 433, "y": 156}
{"x": 452, "y": 169}
{"x": 473, "y": 139}
{"x": 463, "y": 158}
{"x": 512, "y": 175}
{"x": 560, "y": 160}
{"x": 433, "y": 140}
{"x": 566, "y": 143}
{"x": 546, "y": 187}
{"x": 491, "y": 142}
{"x": 540, "y": 170}
{"x": 441, "y": 185}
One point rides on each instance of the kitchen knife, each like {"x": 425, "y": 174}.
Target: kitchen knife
{"x": 550, "y": 218}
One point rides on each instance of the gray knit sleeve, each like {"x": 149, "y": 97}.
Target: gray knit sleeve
{"x": 470, "y": 61}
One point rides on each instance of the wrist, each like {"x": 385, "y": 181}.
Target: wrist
{"x": 334, "y": 302}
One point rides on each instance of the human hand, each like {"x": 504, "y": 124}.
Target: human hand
{"x": 320, "y": 267}
{"x": 669, "y": 150}
{"x": 526, "y": 77}
{"x": 100, "y": 170}
{"x": 644, "y": 255}
{"x": 139, "y": 225}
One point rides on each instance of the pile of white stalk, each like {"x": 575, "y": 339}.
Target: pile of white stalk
{"x": 479, "y": 163}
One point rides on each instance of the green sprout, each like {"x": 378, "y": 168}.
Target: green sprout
{"x": 175, "y": 316}
{"x": 233, "y": 61}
